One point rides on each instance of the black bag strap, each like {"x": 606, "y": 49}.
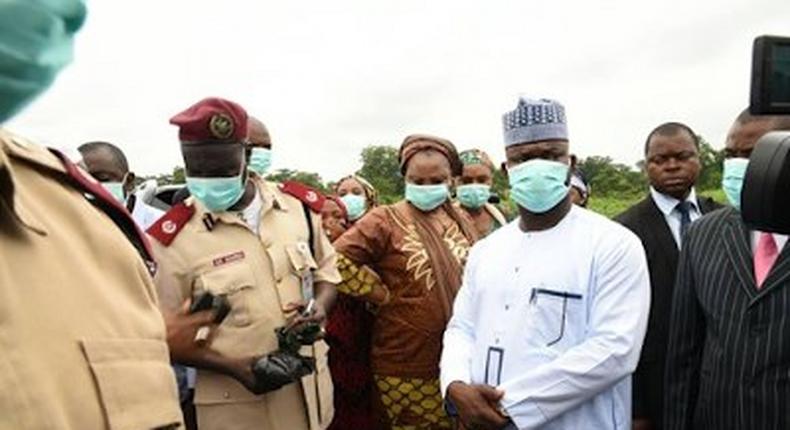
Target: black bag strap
{"x": 310, "y": 232}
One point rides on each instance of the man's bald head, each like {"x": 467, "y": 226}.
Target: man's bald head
{"x": 258, "y": 134}
{"x": 748, "y": 129}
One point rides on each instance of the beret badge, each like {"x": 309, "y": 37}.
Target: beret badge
{"x": 221, "y": 126}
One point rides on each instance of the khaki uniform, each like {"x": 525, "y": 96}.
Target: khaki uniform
{"x": 81, "y": 337}
{"x": 260, "y": 275}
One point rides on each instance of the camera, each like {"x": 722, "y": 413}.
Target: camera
{"x": 765, "y": 198}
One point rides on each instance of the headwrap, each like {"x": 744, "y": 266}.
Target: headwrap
{"x": 446, "y": 267}
{"x": 36, "y": 41}
{"x": 371, "y": 195}
{"x": 340, "y": 204}
{"x": 535, "y": 121}
{"x": 476, "y": 156}
{"x": 423, "y": 142}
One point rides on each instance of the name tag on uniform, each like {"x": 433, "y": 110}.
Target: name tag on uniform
{"x": 226, "y": 259}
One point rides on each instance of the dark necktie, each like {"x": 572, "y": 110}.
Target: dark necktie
{"x": 684, "y": 208}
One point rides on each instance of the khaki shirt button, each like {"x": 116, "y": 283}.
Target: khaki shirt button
{"x": 226, "y": 395}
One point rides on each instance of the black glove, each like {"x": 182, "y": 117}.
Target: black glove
{"x": 278, "y": 369}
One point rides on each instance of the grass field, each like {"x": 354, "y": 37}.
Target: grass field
{"x": 611, "y": 206}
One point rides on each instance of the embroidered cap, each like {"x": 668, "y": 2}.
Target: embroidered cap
{"x": 535, "y": 121}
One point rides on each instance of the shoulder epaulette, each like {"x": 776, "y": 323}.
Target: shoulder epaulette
{"x": 166, "y": 228}
{"x": 312, "y": 198}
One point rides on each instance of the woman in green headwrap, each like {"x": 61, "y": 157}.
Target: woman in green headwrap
{"x": 473, "y": 192}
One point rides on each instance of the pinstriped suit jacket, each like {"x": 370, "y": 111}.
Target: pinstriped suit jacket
{"x": 728, "y": 362}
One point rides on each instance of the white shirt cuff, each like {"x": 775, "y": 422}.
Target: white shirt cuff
{"x": 525, "y": 415}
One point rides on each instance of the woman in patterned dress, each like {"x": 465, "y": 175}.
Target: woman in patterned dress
{"x": 406, "y": 259}
{"x": 348, "y": 332}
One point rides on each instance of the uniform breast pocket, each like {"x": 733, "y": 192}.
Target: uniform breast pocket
{"x": 555, "y": 319}
{"x": 135, "y": 383}
{"x": 237, "y": 283}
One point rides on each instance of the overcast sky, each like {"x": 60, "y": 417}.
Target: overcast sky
{"x": 329, "y": 78}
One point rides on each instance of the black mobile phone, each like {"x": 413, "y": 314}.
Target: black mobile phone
{"x": 203, "y": 302}
{"x": 206, "y": 301}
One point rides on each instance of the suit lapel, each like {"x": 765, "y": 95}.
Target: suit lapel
{"x": 660, "y": 230}
{"x": 736, "y": 241}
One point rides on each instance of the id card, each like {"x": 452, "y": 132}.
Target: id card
{"x": 307, "y": 285}
{"x": 494, "y": 361}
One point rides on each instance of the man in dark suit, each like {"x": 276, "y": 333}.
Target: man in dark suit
{"x": 728, "y": 358}
{"x": 672, "y": 165}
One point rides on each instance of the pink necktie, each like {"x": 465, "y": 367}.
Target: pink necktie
{"x": 764, "y": 257}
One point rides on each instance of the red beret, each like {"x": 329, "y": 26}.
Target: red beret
{"x": 212, "y": 119}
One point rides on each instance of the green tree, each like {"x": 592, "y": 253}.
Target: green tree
{"x": 179, "y": 175}
{"x": 711, "y": 162}
{"x": 380, "y": 167}
{"x": 174, "y": 178}
{"x": 610, "y": 179}
{"x": 501, "y": 186}
{"x": 310, "y": 179}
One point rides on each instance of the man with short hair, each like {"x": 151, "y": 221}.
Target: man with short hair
{"x": 107, "y": 163}
{"x": 728, "y": 352}
{"x": 547, "y": 327}
{"x": 260, "y": 246}
{"x": 259, "y": 147}
{"x": 672, "y": 165}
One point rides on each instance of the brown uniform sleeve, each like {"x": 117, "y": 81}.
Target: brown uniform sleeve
{"x": 363, "y": 246}
{"x": 367, "y": 241}
{"x": 172, "y": 285}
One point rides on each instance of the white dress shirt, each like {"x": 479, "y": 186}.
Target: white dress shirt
{"x": 668, "y": 206}
{"x": 555, "y": 319}
{"x": 145, "y": 215}
{"x": 780, "y": 239}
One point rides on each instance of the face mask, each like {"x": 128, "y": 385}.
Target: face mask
{"x": 732, "y": 179}
{"x": 474, "y": 196}
{"x": 427, "y": 197}
{"x": 216, "y": 194}
{"x": 116, "y": 189}
{"x": 35, "y": 43}
{"x": 355, "y": 206}
{"x": 539, "y": 185}
{"x": 260, "y": 160}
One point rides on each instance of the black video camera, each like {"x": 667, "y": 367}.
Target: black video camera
{"x": 765, "y": 198}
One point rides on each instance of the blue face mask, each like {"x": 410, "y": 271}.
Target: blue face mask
{"x": 216, "y": 194}
{"x": 539, "y": 185}
{"x": 356, "y": 206}
{"x": 116, "y": 189}
{"x": 35, "y": 43}
{"x": 732, "y": 179}
{"x": 427, "y": 197}
{"x": 473, "y": 196}
{"x": 260, "y": 160}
